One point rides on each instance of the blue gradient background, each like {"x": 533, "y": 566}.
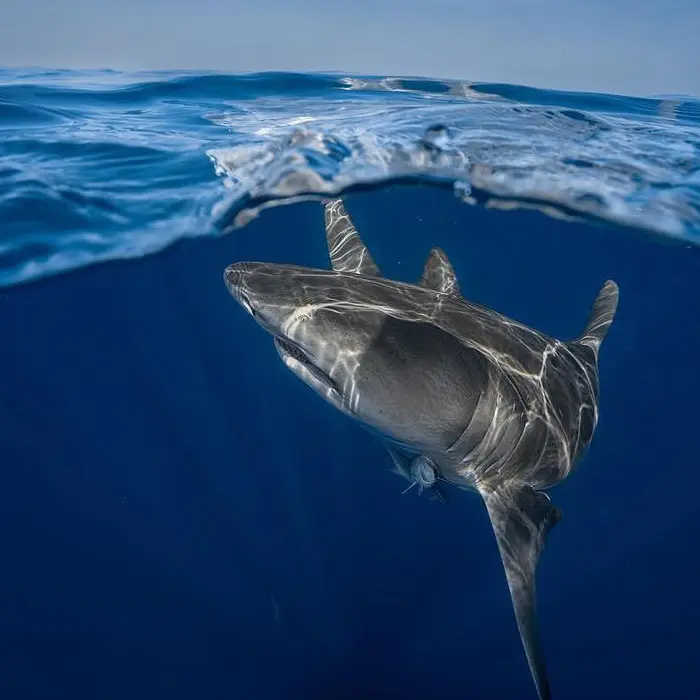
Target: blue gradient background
{"x": 181, "y": 518}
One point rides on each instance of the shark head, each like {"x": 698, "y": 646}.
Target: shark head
{"x": 319, "y": 324}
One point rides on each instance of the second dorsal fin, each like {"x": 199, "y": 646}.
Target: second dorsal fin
{"x": 601, "y": 316}
{"x": 345, "y": 247}
{"x": 438, "y": 273}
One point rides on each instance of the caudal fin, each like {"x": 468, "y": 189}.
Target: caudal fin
{"x": 521, "y": 519}
{"x": 601, "y": 317}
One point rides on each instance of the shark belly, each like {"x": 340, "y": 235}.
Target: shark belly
{"x": 418, "y": 385}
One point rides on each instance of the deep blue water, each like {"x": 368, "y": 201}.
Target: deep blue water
{"x": 181, "y": 517}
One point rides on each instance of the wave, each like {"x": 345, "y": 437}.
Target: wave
{"x": 98, "y": 165}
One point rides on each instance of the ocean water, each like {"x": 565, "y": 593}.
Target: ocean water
{"x": 181, "y": 517}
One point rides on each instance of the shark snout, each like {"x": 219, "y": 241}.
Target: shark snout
{"x": 248, "y": 284}
{"x": 236, "y": 277}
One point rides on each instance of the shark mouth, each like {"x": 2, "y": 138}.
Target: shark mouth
{"x": 291, "y": 353}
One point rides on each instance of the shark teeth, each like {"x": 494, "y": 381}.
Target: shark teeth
{"x": 293, "y": 351}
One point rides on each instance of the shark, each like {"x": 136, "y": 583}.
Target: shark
{"x": 458, "y": 393}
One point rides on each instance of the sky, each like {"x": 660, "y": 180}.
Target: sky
{"x": 637, "y": 47}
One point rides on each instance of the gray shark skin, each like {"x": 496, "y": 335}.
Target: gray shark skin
{"x": 460, "y": 393}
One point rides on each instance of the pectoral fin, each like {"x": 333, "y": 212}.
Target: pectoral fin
{"x": 345, "y": 247}
{"x": 438, "y": 274}
{"x": 521, "y": 519}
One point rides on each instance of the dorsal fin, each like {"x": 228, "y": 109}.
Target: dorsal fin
{"x": 347, "y": 251}
{"x": 521, "y": 519}
{"x": 601, "y": 317}
{"x": 438, "y": 273}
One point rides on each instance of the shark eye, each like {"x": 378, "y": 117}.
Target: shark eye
{"x": 305, "y": 310}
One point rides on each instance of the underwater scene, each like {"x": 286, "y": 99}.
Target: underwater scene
{"x": 331, "y": 386}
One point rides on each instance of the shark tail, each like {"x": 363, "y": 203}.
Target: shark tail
{"x": 601, "y": 317}
{"x": 521, "y": 519}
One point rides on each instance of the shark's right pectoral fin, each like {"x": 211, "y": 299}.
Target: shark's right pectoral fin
{"x": 522, "y": 518}
{"x": 345, "y": 247}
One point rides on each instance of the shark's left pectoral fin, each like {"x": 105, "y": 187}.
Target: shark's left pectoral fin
{"x": 522, "y": 518}
{"x": 438, "y": 273}
{"x": 345, "y": 247}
